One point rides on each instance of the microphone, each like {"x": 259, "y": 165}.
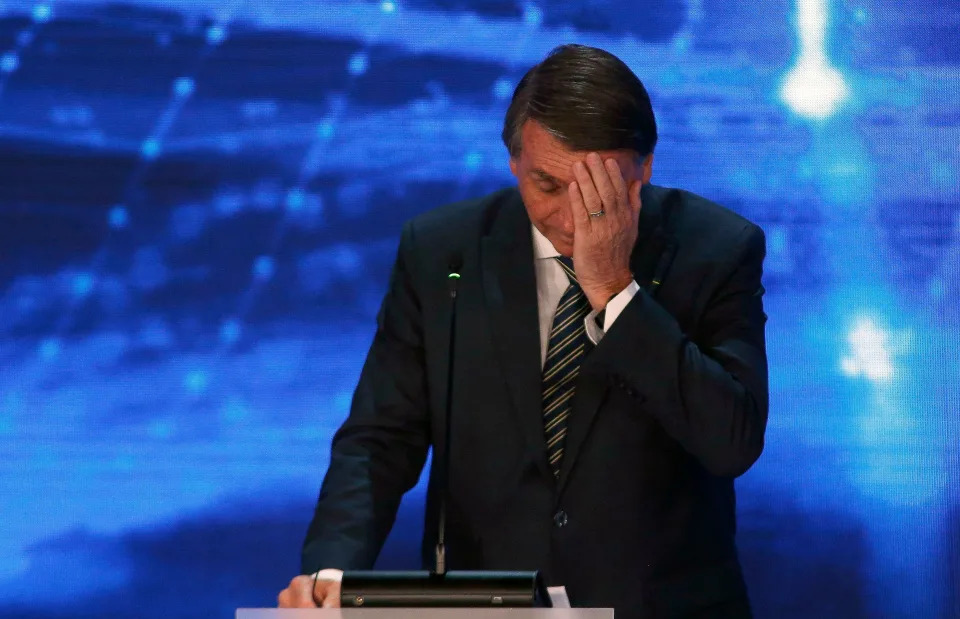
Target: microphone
{"x": 440, "y": 587}
{"x": 454, "y": 262}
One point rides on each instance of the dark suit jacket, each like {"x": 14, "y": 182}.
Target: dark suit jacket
{"x": 670, "y": 407}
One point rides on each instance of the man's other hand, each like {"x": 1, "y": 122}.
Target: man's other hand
{"x": 304, "y": 592}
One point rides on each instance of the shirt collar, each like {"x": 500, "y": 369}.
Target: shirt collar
{"x": 542, "y": 247}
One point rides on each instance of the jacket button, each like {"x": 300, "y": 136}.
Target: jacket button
{"x": 560, "y": 519}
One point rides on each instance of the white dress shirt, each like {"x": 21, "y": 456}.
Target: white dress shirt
{"x": 552, "y": 282}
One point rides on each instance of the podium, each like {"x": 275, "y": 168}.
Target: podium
{"x": 425, "y": 613}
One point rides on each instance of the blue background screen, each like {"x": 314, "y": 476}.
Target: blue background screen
{"x": 200, "y": 202}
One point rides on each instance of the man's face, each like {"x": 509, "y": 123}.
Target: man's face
{"x": 544, "y": 171}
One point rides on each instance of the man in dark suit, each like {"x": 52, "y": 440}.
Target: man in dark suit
{"x": 602, "y": 407}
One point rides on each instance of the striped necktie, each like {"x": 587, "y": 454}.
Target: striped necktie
{"x": 568, "y": 344}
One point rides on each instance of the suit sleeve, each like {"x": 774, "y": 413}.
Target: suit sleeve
{"x": 710, "y": 395}
{"x": 380, "y": 450}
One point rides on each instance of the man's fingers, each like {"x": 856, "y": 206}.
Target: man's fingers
{"x": 304, "y": 589}
{"x": 591, "y": 199}
{"x": 601, "y": 180}
{"x": 577, "y": 206}
{"x": 616, "y": 179}
{"x": 635, "y": 203}
{"x": 298, "y": 594}
{"x": 331, "y": 597}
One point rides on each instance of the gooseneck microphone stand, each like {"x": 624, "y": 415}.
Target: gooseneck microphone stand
{"x": 440, "y": 587}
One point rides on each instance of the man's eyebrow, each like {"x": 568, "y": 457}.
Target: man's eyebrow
{"x": 546, "y": 177}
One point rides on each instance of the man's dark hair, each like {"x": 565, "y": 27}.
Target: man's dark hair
{"x": 587, "y": 98}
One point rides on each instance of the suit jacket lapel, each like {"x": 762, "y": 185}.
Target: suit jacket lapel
{"x": 510, "y": 289}
{"x": 656, "y": 243}
{"x": 649, "y": 261}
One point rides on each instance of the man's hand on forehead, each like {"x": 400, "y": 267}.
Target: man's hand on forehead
{"x": 605, "y": 214}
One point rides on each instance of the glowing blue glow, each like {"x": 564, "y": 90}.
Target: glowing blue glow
{"x": 118, "y": 217}
{"x": 216, "y": 35}
{"x": 82, "y": 284}
{"x": 230, "y": 331}
{"x": 228, "y": 143}
{"x": 9, "y": 62}
{"x": 358, "y": 65}
{"x": 503, "y": 89}
{"x": 49, "y": 349}
{"x": 813, "y": 88}
{"x": 346, "y": 260}
{"x": 183, "y": 87}
{"x": 388, "y": 6}
{"x": 682, "y": 42}
{"x": 264, "y": 267}
{"x": 228, "y": 202}
{"x": 196, "y": 382}
{"x": 776, "y": 239}
{"x": 42, "y": 13}
{"x": 150, "y": 148}
{"x": 295, "y": 199}
{"x": 532, "y": 15}
{"x": 325, "y": 129}
{"x": 24, "y": 38}
{"x": 259, "y": 109}
{"x": 472, "y": 161}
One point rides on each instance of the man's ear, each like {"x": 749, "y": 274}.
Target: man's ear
{"x": 646, "y": 169}
{"x": 513, "y": 165}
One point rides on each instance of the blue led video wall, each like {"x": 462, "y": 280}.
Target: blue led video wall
{"x": 200, "y": 201}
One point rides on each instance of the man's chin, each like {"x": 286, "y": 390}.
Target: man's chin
{"x": 562, "y": 245}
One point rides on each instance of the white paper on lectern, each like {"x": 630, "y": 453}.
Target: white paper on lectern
{"x": 558, "y": 597}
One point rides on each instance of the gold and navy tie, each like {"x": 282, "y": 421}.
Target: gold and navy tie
{"x": 568, "y": 344}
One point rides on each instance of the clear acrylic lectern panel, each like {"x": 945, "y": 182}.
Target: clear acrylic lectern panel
{"x": 426, "y": 613}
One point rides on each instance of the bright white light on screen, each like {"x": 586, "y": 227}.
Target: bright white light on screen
{"x": 813, "y": 88}
{"x": 870, "y": 352}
